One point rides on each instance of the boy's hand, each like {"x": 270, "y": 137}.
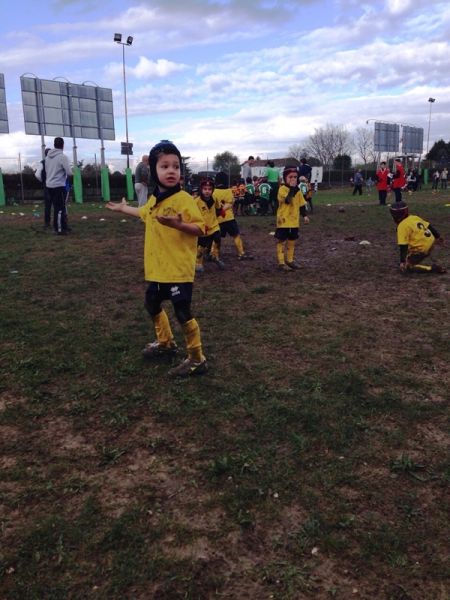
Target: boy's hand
{"x": 306, "y": 220}
{"x": 403, "y": 267}
{"x": 116, "y": 205}
{"x": 174, "y": 222}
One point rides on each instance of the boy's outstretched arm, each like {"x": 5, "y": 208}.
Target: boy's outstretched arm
{"x": 178, "y": 223}
{"x": 123, "y": 207}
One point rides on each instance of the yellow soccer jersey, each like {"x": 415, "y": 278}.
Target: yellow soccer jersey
{"x": 222, "y": 197}
{"x": 170, "y": 254}
{"x": 209, "y": 215}
{"x": 414, "y": 231}
{"x": 288, "y": 215}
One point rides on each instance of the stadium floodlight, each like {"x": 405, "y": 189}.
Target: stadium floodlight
{"x": 118, "y": 40}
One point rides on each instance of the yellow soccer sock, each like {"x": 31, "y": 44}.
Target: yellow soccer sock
{"x": 239, "y": 245}
{"x": 280, "y": 253}
{"x": 215, "y": 250}
{"x": 290, "y": 250}
{"x": 191, "y": 332}
{"x": 163, "y": 331}
{"x": 200, "y": 254}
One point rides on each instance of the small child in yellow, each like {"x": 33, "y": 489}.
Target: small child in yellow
{"x": 210, "y": 209}
{"x": 173, "y": 223}
{"x": 290, "y": 204}
{"x": 223, "y": 196}
{"x": 416, "y": 239}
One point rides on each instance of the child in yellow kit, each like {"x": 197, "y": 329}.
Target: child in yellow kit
{"x": 173, "y": 223}
{"x": 291, "y": 204}
{"x": 416, "y": 239}
{"x": 210, "y": 209}
{"x": 227, "y": 223}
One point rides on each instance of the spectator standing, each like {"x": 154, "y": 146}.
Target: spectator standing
{"x": 247, "y": 168}
{"x": 357, "y": 183}
{"x": 272, "y": 176}
{"x": 141, "y": 180}
{"x": 436, "y": 178}
{"x": 304, "y": 170}
{"x": 398, "y": 179}
{"x": 57, "y": 169}
{"x": 381, "y": 178}
{"x": 444, "y": 177}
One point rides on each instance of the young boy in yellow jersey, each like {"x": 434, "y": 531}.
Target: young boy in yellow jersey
{"x": 209, "y": 210}
{"x": 290, "y": 203}
{"x": 173, "y": 223}
{"x": 416, "y": 239}
{"x": 227, "y": 223}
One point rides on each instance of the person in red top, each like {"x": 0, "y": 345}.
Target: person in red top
{"x": 398, "y": 179}
{"x": 381, "y": 177}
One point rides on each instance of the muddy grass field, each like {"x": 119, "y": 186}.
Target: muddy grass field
{"x": 312, "y": 462}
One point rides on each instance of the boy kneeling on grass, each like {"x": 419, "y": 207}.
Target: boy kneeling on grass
{"x": 173, "y": 223}
{"x": 416, "y": 239}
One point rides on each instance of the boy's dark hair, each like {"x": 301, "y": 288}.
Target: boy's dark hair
{"x": 58, "y": 143}
{"x": 248, "y": 180}
{"x": 251, "y": 158}
{"x": 271, "y": 164}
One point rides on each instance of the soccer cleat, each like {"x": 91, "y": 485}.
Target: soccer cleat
{"x": 438, "y": 269}
{"x": 189, "y": 367}
{"x": 218, "y": 262}
{"x": 199, "y": 268}
{"x": 156, "y": 349}
{"x": 293, "y": 265}
{"x": 284, "y": 267}
{"x": 245, "y": 256}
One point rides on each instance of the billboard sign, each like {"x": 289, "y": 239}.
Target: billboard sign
{"x": 60, "y": 108}
{"x": 4, "y": 127}
{"x": 412, "y": 140}
{"x": 386, "y": 137}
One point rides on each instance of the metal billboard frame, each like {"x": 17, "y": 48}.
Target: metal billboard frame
{"x": 412, "y": 140}
{"x": 4, "y": 125}
{"x": 386, "y": 137}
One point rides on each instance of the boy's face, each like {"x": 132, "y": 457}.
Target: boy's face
{"x": 291, "y": 179}
{"x": 168, "y": 170}
{"x": 207, "y": 190}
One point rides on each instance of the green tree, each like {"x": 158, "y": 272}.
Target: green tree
{"x": 342, "y": 161}
{"x": 229, "y": 163}
{"x": 440, "y": 151}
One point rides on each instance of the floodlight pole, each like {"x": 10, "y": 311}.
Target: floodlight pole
{"x": 129, "y": 179}
{"x": 431, "y": 101}
{"x": 125, "y": 101}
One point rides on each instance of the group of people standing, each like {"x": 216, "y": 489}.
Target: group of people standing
{"x": 439, "y": 179}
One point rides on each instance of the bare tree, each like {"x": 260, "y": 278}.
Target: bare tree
{"x": 328, "y": 142}
{"x": 363, "y": 142}
{"x": 297, "y": 151}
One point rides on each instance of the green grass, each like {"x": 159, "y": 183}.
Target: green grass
{"x": 311, "y": 461}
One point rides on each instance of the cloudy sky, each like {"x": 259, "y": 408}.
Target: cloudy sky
{"x": 248, "y": 76}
